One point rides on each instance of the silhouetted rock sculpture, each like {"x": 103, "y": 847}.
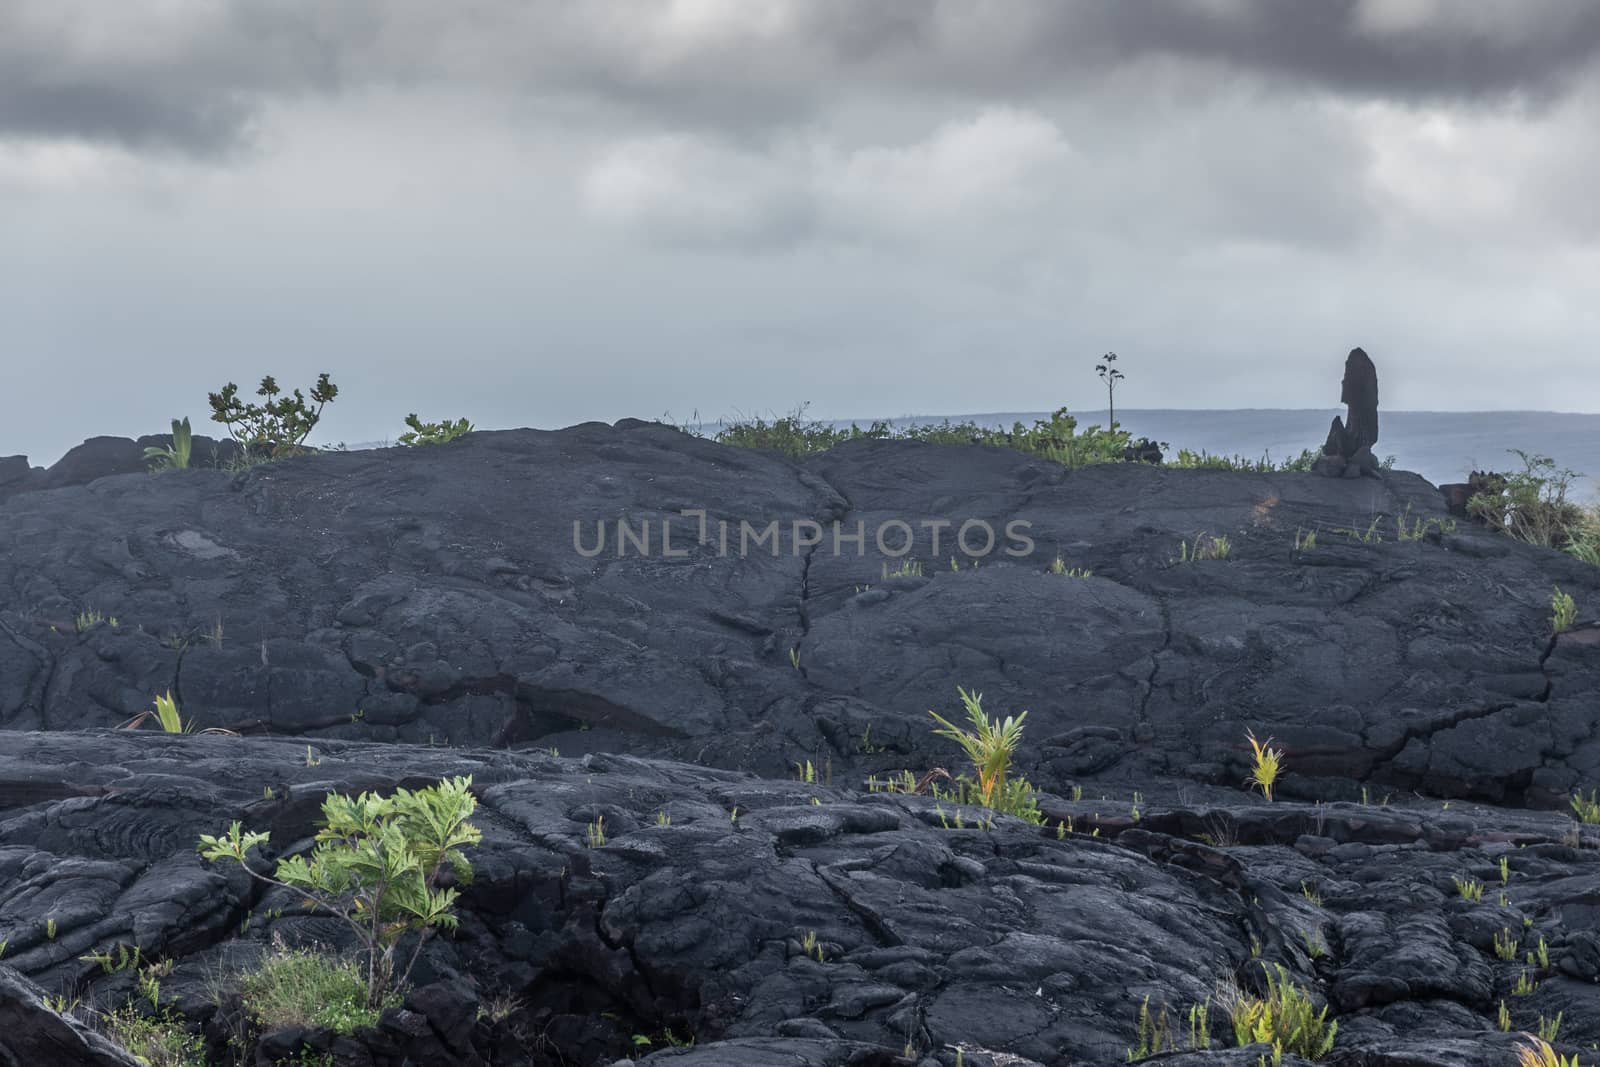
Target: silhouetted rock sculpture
{"x": 1348, "y": 450}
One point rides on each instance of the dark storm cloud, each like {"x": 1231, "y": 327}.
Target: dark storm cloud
{"x": 110, "y": 113}
{"x": 182, "y": 76}
{"x": 1442, "y": 50}
{"x": 192, "y": 76}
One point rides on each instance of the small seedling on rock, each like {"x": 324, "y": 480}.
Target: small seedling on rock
{"x": 910, "y": 568}
{"x": 1266, "y": 765}
{"x": 166, "y": 715}
{"x": 113, "y": 964}
{"x": 61, "y": 1005}
{"x": 1563, "y": 611}
{"x": 1469, "y": 889}
{"x": 1206, "y": 547}
{"x": 88, "y": 620}
{"x": 174, "y": 457}
{"x": 1155, "y": 1033}
{"x": 812, "y": 947}
{"x": 991, "y": 746}
{"x": 1314, "y": 946}
{"x": 1588, "y": 811}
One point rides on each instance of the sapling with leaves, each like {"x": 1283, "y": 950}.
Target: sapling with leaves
{"x": 1107, "y": 369}
{"x": 377, "y": 864}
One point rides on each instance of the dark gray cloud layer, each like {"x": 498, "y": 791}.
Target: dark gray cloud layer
{"x": 193, "y": 76}
{"x": 541, "y": 211}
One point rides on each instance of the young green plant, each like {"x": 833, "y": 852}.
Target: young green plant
{"x": 991, "y": 745}
{"x": 1266, "y": 765}
{"x": 174, "y": 457}
{"x": 1563, "y": 611}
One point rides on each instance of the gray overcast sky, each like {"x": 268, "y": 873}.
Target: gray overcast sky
{"x": 534, "y": 212}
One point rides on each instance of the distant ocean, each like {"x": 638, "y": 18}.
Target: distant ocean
{"x": 1442, "y": 446}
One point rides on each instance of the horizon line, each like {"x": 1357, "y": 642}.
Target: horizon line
{"x": 1322, "y": 410}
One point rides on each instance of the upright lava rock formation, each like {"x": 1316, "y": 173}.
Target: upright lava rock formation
{"x": 1347, "y": 452}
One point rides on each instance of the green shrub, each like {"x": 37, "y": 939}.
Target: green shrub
{"x": 279, "y": 424}
{"x": 1056, "y": 438}
{"x": 433, "y": 433}
{"x": 376, "y": 865}
{"x": 1284, "y": 1018}
{"x": 174, "y": 457}
{"x": 305, "y": 987}
{"x": 1531, "y": 505}
{"x": 1203, "y": 460}
{"x": 1583, "y": 536}
{"x": 794, "y": 434}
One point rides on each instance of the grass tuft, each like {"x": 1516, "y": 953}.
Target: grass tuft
{"x": 309, "y": 988}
